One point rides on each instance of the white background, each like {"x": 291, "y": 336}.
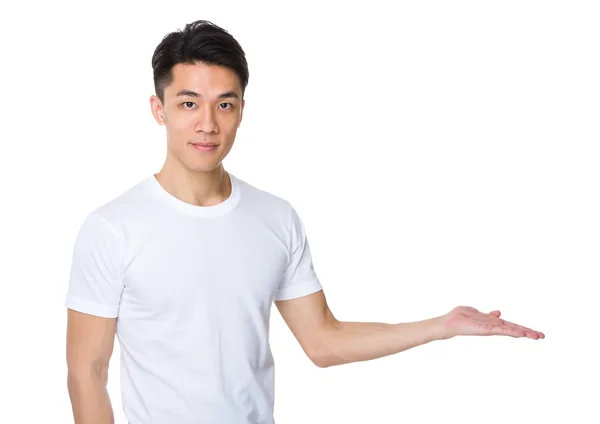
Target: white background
{"x": 439, "y": 154}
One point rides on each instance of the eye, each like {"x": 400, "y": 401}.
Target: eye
{"x": 226, "y": 104}
{"x": 188, "y": 103}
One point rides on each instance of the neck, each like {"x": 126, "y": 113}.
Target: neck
{"x": 202, "y": 188}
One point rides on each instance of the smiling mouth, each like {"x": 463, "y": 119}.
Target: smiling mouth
{"x": 205, "y": 144}
{"x": 204, "y": 147}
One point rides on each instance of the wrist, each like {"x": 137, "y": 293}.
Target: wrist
{"x": 440, "y": 330}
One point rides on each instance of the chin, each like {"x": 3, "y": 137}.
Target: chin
{"x": 205, "y": 167}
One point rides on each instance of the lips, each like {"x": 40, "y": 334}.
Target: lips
{"x": 208, "y": 147}
{"x": 205, "y": 144}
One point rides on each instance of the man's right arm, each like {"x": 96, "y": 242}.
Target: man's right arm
{"x": 90, "y": 341}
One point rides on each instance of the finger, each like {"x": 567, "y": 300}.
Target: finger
{"x": 533, "y": 334}
{"x": 528, "y": 332}
{"x": 505, "y": 330}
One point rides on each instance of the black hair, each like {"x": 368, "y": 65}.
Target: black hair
{"x": 200, "y": 41}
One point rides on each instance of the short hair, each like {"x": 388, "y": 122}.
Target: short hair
{"x": 200, "y": 41}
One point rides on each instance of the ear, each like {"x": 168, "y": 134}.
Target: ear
{"x": 242, "y": 112}
{"x": 157, "y": 109}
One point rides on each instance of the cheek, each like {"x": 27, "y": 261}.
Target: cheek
{"x": 230, "y": 125}
{"x": 181, "y": 124}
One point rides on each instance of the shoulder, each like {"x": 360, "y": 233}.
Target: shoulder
{"x": 265, "y": 202}
{"x": 127, "y": 202}
{"x": 128, "y": 214}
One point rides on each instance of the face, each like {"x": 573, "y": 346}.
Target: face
{"x": 203, "y": 104}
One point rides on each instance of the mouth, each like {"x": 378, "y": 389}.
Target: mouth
{"x": 205, "y": 147}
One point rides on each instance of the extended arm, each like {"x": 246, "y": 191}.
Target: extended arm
{"x": 329, "y": 342}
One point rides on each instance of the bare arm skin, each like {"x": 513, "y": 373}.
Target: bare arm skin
{"x": 329, "y": 342}
{"x": 90, "y": 341}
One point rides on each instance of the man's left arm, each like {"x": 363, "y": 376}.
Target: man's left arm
{"x": 329, "y": 342}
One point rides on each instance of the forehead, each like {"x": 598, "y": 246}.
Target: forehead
{"x": 209, "y": 80}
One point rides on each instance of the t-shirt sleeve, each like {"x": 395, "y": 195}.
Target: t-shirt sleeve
{"x": 299, "y": 278}
{"x": 95, "y": 281}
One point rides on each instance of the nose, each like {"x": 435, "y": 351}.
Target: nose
{"x": 206, "y": 120}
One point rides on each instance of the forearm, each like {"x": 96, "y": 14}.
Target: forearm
{"x": 90, "y": 400}
{"x": 348, "y": 342}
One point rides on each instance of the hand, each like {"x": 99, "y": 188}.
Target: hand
{"x": 468, "y": 321}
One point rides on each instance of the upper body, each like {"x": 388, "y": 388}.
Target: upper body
{"x": 184, "y": 266}
{"x": 192, "y": 289}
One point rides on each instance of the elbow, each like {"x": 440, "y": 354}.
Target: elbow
{"x": 323, "y": 355}
{"x": 326, "y": 360}
{"x": 77, "y": 375}
{"x": 319, "y": 361}
{"x": 323, "y": 347}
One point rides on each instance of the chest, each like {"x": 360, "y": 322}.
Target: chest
{"x": 183, "y": 266}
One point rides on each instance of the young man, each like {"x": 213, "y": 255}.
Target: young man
{"x": 184, "y": 268}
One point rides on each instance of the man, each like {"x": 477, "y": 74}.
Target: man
{"x": 184, "y": 268}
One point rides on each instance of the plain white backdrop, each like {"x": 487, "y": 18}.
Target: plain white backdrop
{"x": 439, "y": 154}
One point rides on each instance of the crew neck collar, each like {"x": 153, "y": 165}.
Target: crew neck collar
{"x": 194, "y": 210}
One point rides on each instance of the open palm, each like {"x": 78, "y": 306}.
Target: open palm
{"x": 468, "y": 321}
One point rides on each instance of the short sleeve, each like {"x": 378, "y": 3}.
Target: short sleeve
{"x": 299, "y": 278}
{"x": 95, "y": 281}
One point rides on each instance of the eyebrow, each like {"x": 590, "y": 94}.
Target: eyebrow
{"x": 227, "y": 94}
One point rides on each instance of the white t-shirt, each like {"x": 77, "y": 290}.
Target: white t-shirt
{"x": 192, "y": 289}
